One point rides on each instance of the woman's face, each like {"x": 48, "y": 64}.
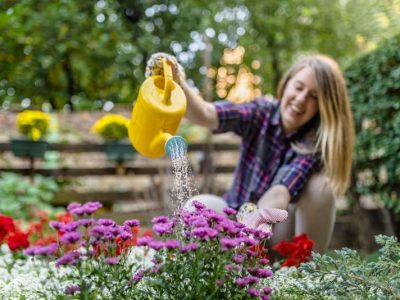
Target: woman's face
{"x": 299, "y": 102}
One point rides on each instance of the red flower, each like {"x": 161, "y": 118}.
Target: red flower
{"x": 17, "y": 240}
{"x": 260, "y": 251}
{"x": 65, "y": 217}
{"x": 45, "y": 240}
{"x": 6, "y": 226}
{"x": 284, "y": 248}
{"x": 295, "y": 252}
{"x": 289, "y": 262}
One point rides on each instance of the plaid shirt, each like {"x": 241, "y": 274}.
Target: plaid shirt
{"x": 266, "y": 157}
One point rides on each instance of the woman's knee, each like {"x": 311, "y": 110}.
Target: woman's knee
{"x": 317, "y": 192}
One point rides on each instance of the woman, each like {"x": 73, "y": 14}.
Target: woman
{"x": 296, "y": 152}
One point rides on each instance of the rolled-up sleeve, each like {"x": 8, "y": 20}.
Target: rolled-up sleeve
{"x": 295, "y": 174}
{"x": 242, "y": 118}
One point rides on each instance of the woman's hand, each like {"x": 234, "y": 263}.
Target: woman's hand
{"x": 155, "y": 67}
{"x": 260, "y": 218}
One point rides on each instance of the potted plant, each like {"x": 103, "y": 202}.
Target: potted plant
{"x": 113, "y": 129}
{"x": 32, "y": 125}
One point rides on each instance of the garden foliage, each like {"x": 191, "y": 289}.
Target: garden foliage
{"x": 343, "y": 275}
{"x": 20, "y": 198}
{"x": 374, "y": 87}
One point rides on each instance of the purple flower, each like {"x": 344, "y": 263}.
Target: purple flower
{"x": 238, "y": 258}
{"x": 160, "y": 219}
{"x": 111, "y": 260}
{"x": 228, "y": 227}
{"x": 42, "y": 250}
{"x": 69, "y": 258}
{"x": 219, "y": 282}
{"x": 229, "y": 211}
{"x": 212, "y": 233}
{"x": 156, "y": 245}
{"x": 108, "y": 235}
{"x": 70, "y": 227}
{"x": 91, "y": 207}
{"x": 116, "y": 230}
{"x": 98, "y": 231}
{"x": 267, "y": 290}
{"x": 163, "y": 228}
{"x": 125, "y": 236}
{"x": 56, "y": 225}
{"x": 198, "y": 222}
{"x": 172, "y": 244}
{"x": 247, "y": 241}
{"x": 71, "y": 290}
{"x": 251, "y": 279}
{"x": 198, "y": 205}
{"x": 73, "y": 205}
{"x": 263, "y": 273}
{"x": 70, "y": 237}
{"x": 246, "y": 281}
{"x": 106, "y": 222}
{"x": 205, "y": 232}
{"x": 253, "y": 292}
{"x": 30, "y": 250}
{"x": 138, "y": 276}
{"x": 189, "y": 247}
{"x": 231, "y": 267}
{"x": 132, "y": 223}
{"x": 260, "y": 235}
{"x": 264, "y": 261}
{"x": 144, "y": 241}
{"x": 228, "y": 243}
{"x": 200, "y": 232}
{"x": 86, "y": 222}
{"x": 156, "y": 268}
{"x": 214, "y": 216}
{"x": 265, "y": 297}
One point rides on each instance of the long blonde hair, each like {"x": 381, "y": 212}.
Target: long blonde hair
{"x": 334, "y": 132}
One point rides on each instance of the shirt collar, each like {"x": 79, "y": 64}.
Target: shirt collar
{"x": 276, "y": 121}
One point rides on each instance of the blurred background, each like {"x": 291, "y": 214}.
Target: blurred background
{"x": 80, "y": 60}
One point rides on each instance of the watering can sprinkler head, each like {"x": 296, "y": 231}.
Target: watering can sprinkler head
{"x": 175, "y": 145}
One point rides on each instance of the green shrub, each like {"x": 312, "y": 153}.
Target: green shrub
{"x": 343, "y": 275}
{"x": 20, "y": 198}
{"x": 374, "y": 88}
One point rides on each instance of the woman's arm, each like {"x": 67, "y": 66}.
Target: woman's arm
{"x": 198, "y": 110}
{"x": 277, "y": 196}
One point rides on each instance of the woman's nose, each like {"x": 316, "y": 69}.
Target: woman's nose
{"x": 301, "y": 97}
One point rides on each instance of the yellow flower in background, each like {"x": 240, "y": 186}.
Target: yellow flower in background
{"x": 33, "y": 123}
{"x": 111, "y": 127}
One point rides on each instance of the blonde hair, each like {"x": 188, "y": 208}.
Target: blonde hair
{"x": 334, "y": 132}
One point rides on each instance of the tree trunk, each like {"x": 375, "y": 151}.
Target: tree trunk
{"x": 70, "y": 81}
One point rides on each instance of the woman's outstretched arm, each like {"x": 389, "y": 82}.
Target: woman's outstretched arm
{"x": 198, "y": 110}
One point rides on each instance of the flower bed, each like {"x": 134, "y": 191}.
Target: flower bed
{"x": 196, "y": 254}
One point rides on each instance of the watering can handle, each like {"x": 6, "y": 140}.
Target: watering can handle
{"x": 167, "y": 69}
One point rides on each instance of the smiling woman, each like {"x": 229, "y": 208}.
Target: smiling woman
{"x": 296, "y": 152}
{"x": 299, "y": 101}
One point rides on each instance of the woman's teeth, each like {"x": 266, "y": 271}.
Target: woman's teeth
{"x": 296, "y": 109}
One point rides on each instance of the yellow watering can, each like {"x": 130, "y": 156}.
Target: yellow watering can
{"x": 156, "y": 115}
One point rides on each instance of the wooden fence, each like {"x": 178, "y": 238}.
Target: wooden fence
{"x": 143, "y": 200}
